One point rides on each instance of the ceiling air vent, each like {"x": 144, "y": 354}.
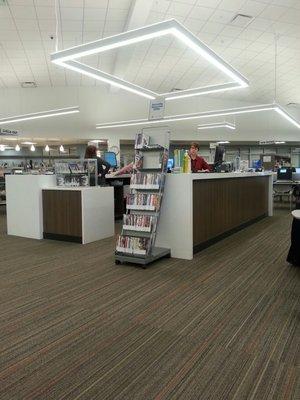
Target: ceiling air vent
{"x": 296, "y": 105}
{"x": 175, "y": 89}
{"x": 26, "y": 85}
{"x": 241, "y": 20}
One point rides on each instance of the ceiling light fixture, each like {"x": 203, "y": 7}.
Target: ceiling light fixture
{"x": 32, "y": 147}
{"x": 279, "y": 142}
{"x": 17, "y": 148}
{"x": 61, "y": 148}
{"x": 2, "y": 147}
{"x": 225, "y": 124}
{"x": 29, "y": 143}
{"x": 38, "y": 115}
{"x": 205, "y": 114}
{"x": 67, "y": 59}
{"x": 223, "y": 142}
{"x": 47, "y": 148}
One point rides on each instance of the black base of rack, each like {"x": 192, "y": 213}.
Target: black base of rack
{"x": 156, "y": 254}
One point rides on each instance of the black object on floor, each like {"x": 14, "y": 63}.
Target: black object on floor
{"x": 294, "y": 252}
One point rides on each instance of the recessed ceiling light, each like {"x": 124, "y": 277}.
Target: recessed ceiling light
{"x": 32, "y": 147}
{"x": 47, "y": 148}
{"x": 17, "y": 148}
{"x": 67, "y": 59}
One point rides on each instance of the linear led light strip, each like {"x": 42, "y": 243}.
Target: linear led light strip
{"x": 207, "y": 114}
{"x": 66, "y": 58}
{"x": 38, "y": 115}
{"x": 225, "y": 124}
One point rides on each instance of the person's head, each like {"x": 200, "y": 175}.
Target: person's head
{"x": 90, "y": 151}
{"x": 194, "y": 149}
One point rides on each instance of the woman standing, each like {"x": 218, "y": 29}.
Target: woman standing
{"x": 102, "y": 165}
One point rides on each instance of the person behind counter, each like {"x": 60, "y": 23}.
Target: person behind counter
{"x": 102, "y": 165}
{"x": 198, "y": 164}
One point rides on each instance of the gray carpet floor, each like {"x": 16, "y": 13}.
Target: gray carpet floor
{"x": 225, "y": 325}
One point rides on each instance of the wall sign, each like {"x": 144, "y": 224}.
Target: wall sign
{"x": 8, "y": 132}
{"x": 157, "y": 109}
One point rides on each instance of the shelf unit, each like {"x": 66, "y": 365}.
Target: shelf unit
{"x": 136, "y": 243}
{"x": 73, "y": 173}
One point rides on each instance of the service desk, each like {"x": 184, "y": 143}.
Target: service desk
{"x": 78, "y": 214}
{"x": 200, "y": 209}
{"x": 24, "y": 204}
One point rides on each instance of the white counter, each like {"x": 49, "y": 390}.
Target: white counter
{"x": 96, "y": 214}
{"x": 24, "y": 204}
{"x": 175, "y": 229}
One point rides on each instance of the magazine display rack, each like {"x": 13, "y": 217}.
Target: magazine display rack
{"x": 74, "y": 173}
{"x": 136, "y": 243}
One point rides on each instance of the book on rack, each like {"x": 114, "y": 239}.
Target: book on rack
{"x": 143, "y": 201}
{"x": 146, "y": 180}
{"x": 133, "y": 245}
{"x": 138, "y": 222}
{"x": 141, "y": 140}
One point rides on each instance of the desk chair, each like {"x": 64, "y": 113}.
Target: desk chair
{"x": 283, "y": 191}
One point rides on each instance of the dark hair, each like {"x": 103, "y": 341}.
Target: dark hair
{"x": 90, "y": 151}
{"x": 196, "y": 145}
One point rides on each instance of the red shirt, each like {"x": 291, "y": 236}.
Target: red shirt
{"x": 199, "y": 164}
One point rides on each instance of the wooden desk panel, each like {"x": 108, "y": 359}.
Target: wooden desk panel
{"x": 224, "y": 205}
{"x": 62, "y": 214}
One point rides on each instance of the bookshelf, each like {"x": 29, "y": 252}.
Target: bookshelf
{"x": 136, "y": 242}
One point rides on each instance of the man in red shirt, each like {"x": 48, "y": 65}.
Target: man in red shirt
{"x": 198, "y": 164}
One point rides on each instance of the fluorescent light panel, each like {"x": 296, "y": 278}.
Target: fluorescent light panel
{"x": 38, "y": 115}
{"x": 66, "y": 58}
{"x": 214, "y": 125}
{"x": 205, "y": 114}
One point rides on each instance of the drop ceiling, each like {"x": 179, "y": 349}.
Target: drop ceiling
{"x": 25, "y": 43}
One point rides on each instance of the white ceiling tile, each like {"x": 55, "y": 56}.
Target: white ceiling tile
{"x": 179, "y": 9}
{"x": 72, "y": 3}
{"x": 23, "y": 12}
{"x": 116, "y": 14}
{"x": 231, "y": 5}
{"x": 210, "y": 3}
{"x": 222, "y": 16}
{"x": 253, "y": 8}
{"x": 212, "y": 27}
{"x": 273, "y": 12}
{"x": 71, "y": 13}
{"x": 161, "y": 6}
{"x": 201, "y": 13}
{"x": 7, "y": 24}
{"x": 27, "y": 24}
{"x": 94, "y": 14}
{"x": 120, "y": 4}
{"x": 46, "y": 13}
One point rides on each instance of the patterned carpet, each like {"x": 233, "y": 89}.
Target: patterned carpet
{"x": 73, "y": 325}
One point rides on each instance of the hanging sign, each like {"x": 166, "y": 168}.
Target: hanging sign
{"x": 213, "y": 145}
{"x": 8, "y": 132}
{"x": 157, "y": 109}
{"x": 266, "y": 142}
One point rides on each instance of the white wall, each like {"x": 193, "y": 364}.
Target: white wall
{"x": 98, "y": 105}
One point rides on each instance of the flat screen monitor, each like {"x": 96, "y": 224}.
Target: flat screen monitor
{"x": 111, "y": 158}
{"x": 296, "y": 175}
{"x": 219, "y": 155}
{"x": 284, "y": 174}
{"x": 170, "y": 164}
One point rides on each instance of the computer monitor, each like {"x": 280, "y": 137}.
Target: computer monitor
{"x": 296, "y": 174}
{"x": 219, "y": 155}
{"x": 111, "y": 158}
{"x": 284, "y": 173}
{"x": 170, "y": 164}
